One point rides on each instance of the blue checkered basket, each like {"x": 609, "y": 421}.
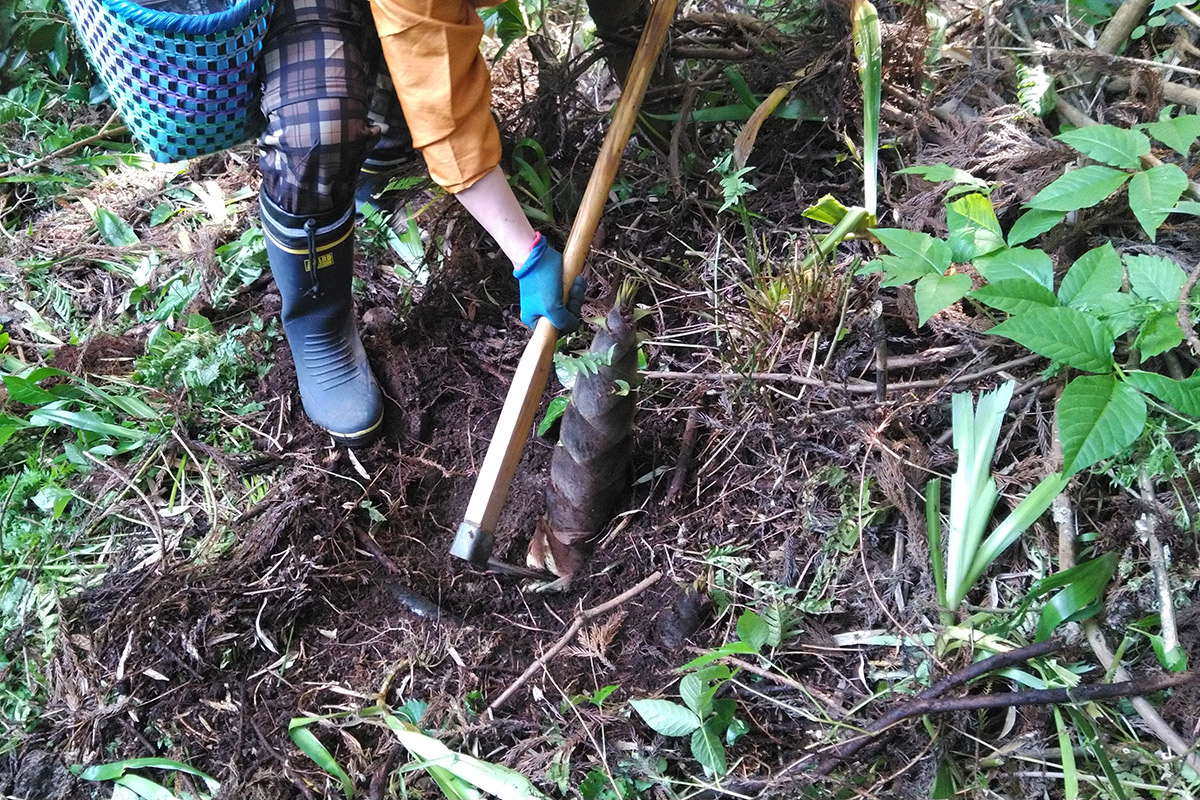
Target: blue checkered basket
{"x": 186, "y": 84}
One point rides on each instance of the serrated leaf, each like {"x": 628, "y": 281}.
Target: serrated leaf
{"x": 920, "y": 250}
{"x": 114, "y": 230}
{"x": 1015, "y": 295}
{"x": 1155, "y": 278}
{"x": 974, "y": 229}
{"x": 752, "y": 629}
{"x": 1183, "y": 396}
{"x": 1098, "y": 417}
{"x": 941, "y": 173}
{"x": 934, "y": 293}
{"x": 1116, "y": 147}
{"x": 665, "y": 717}
{"x": 1160, "y": 333}
{"x": 708, "y": 750}
{"x": 1094, "y": 276}
{"x": 1153, "y": 193}
{"x": 1033, "y": 223}
{"x": 1179, "y": 133}
{"x": 897, "y": 271}
{"x": 1062, "y": 334}
{"x": 1079, "y": 188}
{"x": 1017, "y": 262}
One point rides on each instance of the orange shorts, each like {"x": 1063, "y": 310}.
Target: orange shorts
{"x": 445, "y": 89}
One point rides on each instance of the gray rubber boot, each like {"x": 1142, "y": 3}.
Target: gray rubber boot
{"x": 336, "y": 385}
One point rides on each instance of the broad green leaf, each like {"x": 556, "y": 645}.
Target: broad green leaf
{"x": 1098, "y": 417}
{"x": 113, "y": 230}
{"x": 144, "y": 788}
{"x": 1160, "y": 333}
{"x": 1155, "y": 278}
{"x": 1017, "y": 262}
{"x": 1082, "y": 589}
{"x": 25, "y": 391}
{"x": 941, "y": 173}
{"x": 553, "y": 412}
{"x": 897, "y": 271}
{"x": 1173, "y": 659}
{"x": 311, "y": 746}
{"x": 692, "y": 691}
{"x": 1152, "y": 194}
{"x": 1116, "y": 147}
{"x": 1120, "y": 312}
{"x": 936, "y": 292}
{"x": 1183, "y": 396}
{"x": 828, "y": 209}
{"x": 974, "y": 229}
{"x": 1015, "y": 295}
{"x": 1093, "y": 277}
{"x": 1179, "y": 133}
{"x": 921, "y": 250}
{"x": 708, "y": 750}
{"x": 1187, "y": 207}
{"x": 161, "y": 213}
{"x": 1079, "y": 188}
{"x": 1033, "y": 223}
{"x": 1062, "y": 334}
{"x": 665, "y": 717}
{"x": 752, "y": 630}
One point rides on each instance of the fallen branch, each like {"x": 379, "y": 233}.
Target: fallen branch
{"x": 1121, "y": 25}
{"x": 851, "y": 386}
{"x": 104, "y": 133}
{"x": 933, "y": 694}
{"x": 576, "y": 626}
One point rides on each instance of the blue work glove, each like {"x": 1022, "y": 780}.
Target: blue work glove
{"x": 541, "y": 282}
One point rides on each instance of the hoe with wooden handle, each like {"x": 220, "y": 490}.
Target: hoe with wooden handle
{"x": 473, "y": 542}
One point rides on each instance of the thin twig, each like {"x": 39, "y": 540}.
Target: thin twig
{"x": 691, "y": 432}
{"x": 1148, "y": 523}
{"x": 71, "y": 148}
{"x": 156, "y": 520}
{"x": 853, "y": 386}
{"x": 577, "y": 625}
{"x": 1184, "y": 316}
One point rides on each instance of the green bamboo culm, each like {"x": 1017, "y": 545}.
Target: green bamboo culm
{"x": 869, "y": 51}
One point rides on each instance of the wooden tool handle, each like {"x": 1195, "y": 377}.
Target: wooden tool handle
{"x": 529, "y": 381}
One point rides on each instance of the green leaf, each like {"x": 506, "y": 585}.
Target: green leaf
{"x": 974, "y": 229}
{"x": 1082, "y": 588}
{"x": 1116, "y": 147}
{"x": 1160, "y": 333}
{"x": 1079, "y": 188}
{"x": 1093, "y": 277}
{"x": 113, "y": 230}
{"x": 144, "y": 788}
{"x": 897, "y": 271}
{"x": 161, "y": 213}
{"x": 312, "y": 747}
{"x": 1098, "y": 417}
{"x": 1179, "y": 133}
{"x": 553, "y": 412}
{"x": 693, "y": 691}
{"x": 1062, "y": 334}
{"x": 665, "y": 717}
{"x": 1183, "y": 396}
{"x": 933, "y": 535}
{"x": 936, "y": 292}
{"x": 942, "y": 173}
{"x": 828, "y": 209}
{"x": 85, "y": 421}
{"x": 1017, "y": 262}
{"x": 708, "y": 750}
{"x": 1152, "y": 194}
{"x": 1015, "y": 295}
{"x": 1033, "y": 223}
{"x": 115, "y": 769}
{"x": 27, "y": 392}
{"x": 1067, "y": 752}
{"x": 922, "y": 251}
{"x": 1035, "y": 89}
{"x": 752, "y": 629}
{"x": 1155, "y": 278}
{"x": 1003, "y": 535}
{"x": 1174, "y": 659}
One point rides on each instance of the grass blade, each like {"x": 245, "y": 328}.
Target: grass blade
{"x": 869, "y": 50}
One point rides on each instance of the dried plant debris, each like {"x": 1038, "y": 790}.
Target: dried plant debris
{"x": 590, "y": 469}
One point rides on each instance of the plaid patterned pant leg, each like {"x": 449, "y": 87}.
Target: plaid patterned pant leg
{"x": 322, "y": 105}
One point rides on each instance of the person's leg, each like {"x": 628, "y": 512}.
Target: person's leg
{"x": 393, "y": 149}
{"x": 317, "y": 136}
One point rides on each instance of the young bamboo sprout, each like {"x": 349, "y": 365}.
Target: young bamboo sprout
{"x": 589, "y": 471}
